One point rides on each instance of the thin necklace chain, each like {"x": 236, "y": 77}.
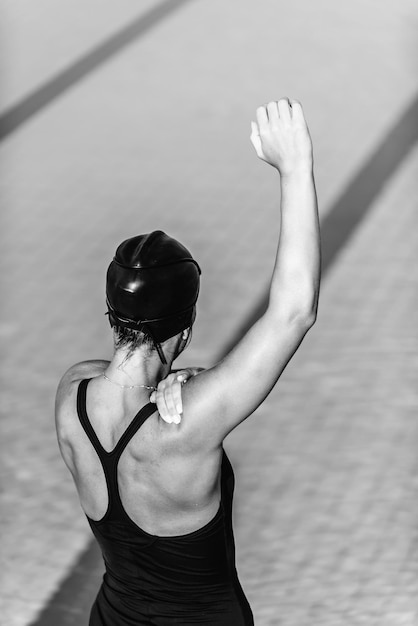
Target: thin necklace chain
{"x": 129, "y": 386}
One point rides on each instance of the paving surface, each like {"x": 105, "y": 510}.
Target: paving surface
{"x": 326, "y": 507}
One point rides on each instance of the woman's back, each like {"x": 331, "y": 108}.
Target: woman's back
{"x": 153, "y": 576}
{"x": 153, "y": 469}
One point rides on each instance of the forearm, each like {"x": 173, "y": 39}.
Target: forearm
{"x": 296, "y": 276}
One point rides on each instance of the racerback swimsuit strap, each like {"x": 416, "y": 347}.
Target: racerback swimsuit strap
{"x": 110, "y": 459}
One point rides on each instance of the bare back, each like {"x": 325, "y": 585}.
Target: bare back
{"x": 167, "y": 485}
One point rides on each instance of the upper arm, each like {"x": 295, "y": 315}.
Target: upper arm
{"x": 64, "y": 403}
{"x": 218, "y": 399}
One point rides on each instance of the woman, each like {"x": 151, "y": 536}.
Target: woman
{"x": 157, "y": 487}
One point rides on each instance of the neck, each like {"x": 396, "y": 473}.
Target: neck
{"x": 140, "y": 368}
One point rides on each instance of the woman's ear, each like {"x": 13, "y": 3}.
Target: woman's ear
{"x": 184, "y": 340}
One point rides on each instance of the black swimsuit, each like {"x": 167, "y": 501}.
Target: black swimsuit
{"x": 163, "y": 581}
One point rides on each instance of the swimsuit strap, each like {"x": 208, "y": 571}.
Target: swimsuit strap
{"x": 126, "y": 436}
{"x": 109, "y": 460}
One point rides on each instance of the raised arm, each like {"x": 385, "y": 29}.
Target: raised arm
{"x": 218, "y": 399}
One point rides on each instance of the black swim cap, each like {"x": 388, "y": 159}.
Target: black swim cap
{"x": 152, "y": 285}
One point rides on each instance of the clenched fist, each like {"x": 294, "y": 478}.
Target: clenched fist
{"x": 281, "y": 136}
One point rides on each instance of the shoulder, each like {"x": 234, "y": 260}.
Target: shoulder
{"x": 67, "y": 425}
{"x": 79, "y": 371}
{"x": 72, "y": 377}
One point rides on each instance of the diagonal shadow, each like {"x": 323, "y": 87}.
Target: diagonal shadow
{"x": 56, "y": 86}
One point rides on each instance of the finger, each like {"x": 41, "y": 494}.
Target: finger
{"x": 256, "y": 140}
{"x": 161, "y": 399}
{"x": 161, "y": 405}
{"x": 262, "y": 118}
{"x": 273, "y": 111}
{"x": 254, "y": 130}
{"x": 166, "y": 417}
{"x": 169, "y": 396}
{"x": 183, "y": 376}
{"x": 164, "y": 414}
{"x": 284, "y": 108}
{"x": 177, "y": 399}
{"x": 164, "y": 397}
{"x": 152, "y": 397}
{"x": 171, "y": 389}
{"x": 297, "y": 110}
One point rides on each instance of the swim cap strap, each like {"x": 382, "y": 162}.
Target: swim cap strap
{"x": 135, "y": 324}
{"x": 140, "y": 326}
{"x": 160, "y": 352}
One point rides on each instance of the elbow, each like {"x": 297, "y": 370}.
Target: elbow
{"x": 304, "y": 318}
{"x": 297, "y": 319}
{"x": 310, "y": 318}
{"x": 300, "y": 312}
{"x": 305, "y": 309}
{"x": 296, "y": 302}
{"x": 309, "y": 312}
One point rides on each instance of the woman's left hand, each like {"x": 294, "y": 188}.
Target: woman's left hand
{"x": 168, "y": 395}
